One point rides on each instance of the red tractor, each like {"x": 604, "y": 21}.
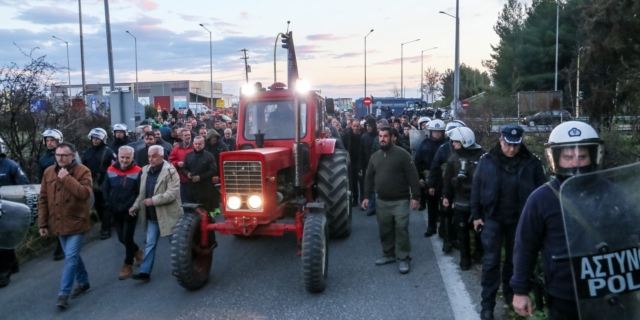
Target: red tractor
{"x": 285, "y": 176}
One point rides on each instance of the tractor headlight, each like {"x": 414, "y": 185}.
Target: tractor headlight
{"x": 234, "y": 202}
{"x": 254, "y": 202}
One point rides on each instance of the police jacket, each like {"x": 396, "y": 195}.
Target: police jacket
{"x": 98, "y": 159}
{"x": 486, "y": 181}
{"x": 10, "y": 173}
{"x": 441, "y": 157}
{"x": 121, "y": 187}
{"x": 457, "y": 184}
{"x": 46, "y": 160}
{"x": 117, "y": 143}
{"x": 366, "y": 144}
{"x": 426, "y": 152}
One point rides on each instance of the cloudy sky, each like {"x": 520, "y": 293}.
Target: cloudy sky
{"x": 328, "y": 35}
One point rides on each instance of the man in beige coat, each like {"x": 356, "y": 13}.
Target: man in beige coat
{"x": 158, "y": 205}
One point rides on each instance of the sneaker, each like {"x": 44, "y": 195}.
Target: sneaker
{"x": 139, "y": 257}
{"x": 371, "y": 213}
{"x": 104, "y": 235}
{"x": 486, "y": 315}
{"x": 80, "y": 290}
{"x": 144, "y": 277}
{"x": 430, "y": 231}
{"x": 403, "y": 267}
{"x": 384, "y": 260}
{"x": 126, "y": 272}
{"x": 62, "y": 302}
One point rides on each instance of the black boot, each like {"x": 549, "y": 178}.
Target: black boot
{"x": 465, "y": 246}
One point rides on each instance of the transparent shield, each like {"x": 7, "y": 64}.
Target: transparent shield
{"x": 601, "y": 213}
{"x": 415, "y": 139}
{"x": 15, "y": 219}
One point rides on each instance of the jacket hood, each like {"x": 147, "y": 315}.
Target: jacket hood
{"x": 212, "y": 133}
{"x": 371, "y": 122}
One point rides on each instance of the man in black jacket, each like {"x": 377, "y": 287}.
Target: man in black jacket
{"x": 392, "y": 173}
{"x": 366, "y": 147}
{"x": 121, "y": 137}
{"x": 215, "y": 146}
{"x": 504, "y": 179}
{"x": 199, "y": 167}
{"x": 351, "y": 140}
{"x": 98, "y": 158}
{"x": 141, "y": 156}
{"x": 229, "y": 140}
{"x": 121, "y": 188}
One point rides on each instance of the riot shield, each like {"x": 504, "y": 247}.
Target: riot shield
{"x": 15, "y": 219}
{"x": 601, "y": 213}
{"x": 415, "y": 139}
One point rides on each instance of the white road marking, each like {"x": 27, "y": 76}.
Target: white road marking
{"x": 461, "y": 303}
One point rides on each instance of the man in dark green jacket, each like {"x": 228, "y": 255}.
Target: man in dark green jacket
{"x": 393, "y": 175}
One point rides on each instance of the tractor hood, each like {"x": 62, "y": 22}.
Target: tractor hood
{"x": 272, "y": 159}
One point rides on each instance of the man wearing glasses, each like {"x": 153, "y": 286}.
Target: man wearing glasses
{"x": 63, "y": 210}
{"x": 504, "y": 178}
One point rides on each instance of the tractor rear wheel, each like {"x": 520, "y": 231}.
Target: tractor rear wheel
{"x": 191, "y": 263}
{"x": 315, "y": 252}
{"x": 333, "y": 190}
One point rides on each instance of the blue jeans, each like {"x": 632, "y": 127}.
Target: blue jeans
{"x": 183, "y": 192}
{"x": 153, "y": 233}
{"x": 74, "y": 267}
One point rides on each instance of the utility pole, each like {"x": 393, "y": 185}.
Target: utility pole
{"x": 246, "y": 67}
{"x": 456, "y": 87}
{"x": 557, "y": 32}
{"x": 84, "y": 84}
{"x": 109, "y": 48}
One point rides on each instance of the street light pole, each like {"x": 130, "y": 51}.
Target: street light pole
{"x": 109, "y": 47}
{"x": 456, "y": 83}
{"x": 84, "y": 84}
{"x": 578, "y": 84}
{"x": 402, "y": 66}
{"x": 210, "y": 65}
{"x": 422, "y": 72}
{"x": 557, "y": 32}
{"x": 365, "y": 67}
{"x": 135, "y": 41}
{"x": 68, "y": 66}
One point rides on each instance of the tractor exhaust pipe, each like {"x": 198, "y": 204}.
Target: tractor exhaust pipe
{"x": 259, "y": 139}
{"x": 297, "y": 155}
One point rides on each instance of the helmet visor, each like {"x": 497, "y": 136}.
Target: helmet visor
{"x": 575, "y": 159}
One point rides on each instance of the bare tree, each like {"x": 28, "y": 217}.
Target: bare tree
{"x": 395, "y": 92}
{"x": 431, "y": 82}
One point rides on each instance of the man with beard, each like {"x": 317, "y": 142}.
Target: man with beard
{"x": 351, "y": 140}
{"x": 121, "y": 137}
{"x": 366, "y": 147}
{"x": 393, "y": 175}
{"x": 234, "y": 127}
{"x": 424, "y": 158}
{"x": 51, "y": 137}
{"x": 174, "y": 137}
{"x": 98, "y": 158}
{"x": 229, "y": 140}
{"x": 202, "y": 132}
{"x": 176, "y": 158}
{"x": 215, "y": 146}
{"x": 141, "y": 156}
{"x": 404, "y": 135}
{"x": 159, "y": 141}
{"x": 200, "y": 167}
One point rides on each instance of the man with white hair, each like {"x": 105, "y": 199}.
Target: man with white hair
{"x": 229, "y": 139}
{"x": 158, "y": 204}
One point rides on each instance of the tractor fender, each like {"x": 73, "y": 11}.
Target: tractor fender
{"x": 326, "y": 146}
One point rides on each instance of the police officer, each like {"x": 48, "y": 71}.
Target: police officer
{"x": 504, "y": 179}
{"x": 10, "y": 174}
{"x": 541, "y": 227}
{"x": 435, "y": 183}
{"x": 456, "y": 191}
{"x": 424, "y": 158}
{"x": 51, "y": 138}
{"x": 98, "y": 158}
{"x": 120, "y": 137}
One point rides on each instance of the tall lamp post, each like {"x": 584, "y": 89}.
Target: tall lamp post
{"x": 578, "y": 81}
{"x": 456, "y": 84}
{"x": 135, "y": 41}
{"x": 402, "y": 66}
{"x": 365, "y": 66}
{"x": 210, "y": 65}
{"x": 68, "y": 66}
{"x": 557, "y": 32}
{"x": 422, "y": 72}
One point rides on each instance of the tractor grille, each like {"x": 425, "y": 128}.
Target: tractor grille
{"x": 242, "y": 177}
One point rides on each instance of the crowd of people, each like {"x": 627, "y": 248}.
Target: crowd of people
{"x": 499, "y": 196}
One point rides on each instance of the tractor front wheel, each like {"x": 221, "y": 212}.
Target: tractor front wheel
{"x": 333, "y": 190}
{"x": 191, "y": 263}
{"x": 315, "y": 252}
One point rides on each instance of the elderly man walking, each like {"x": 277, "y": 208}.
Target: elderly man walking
{"x": 158, "y": 205}
{"x": 395, "y": 178}
{"x": 63, "y": 209}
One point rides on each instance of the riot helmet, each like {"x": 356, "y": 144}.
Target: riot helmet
{"x": 574, "y": 148}
{"x": 454, "y": 124}
{"x": 98, "y": 133}
{"x": 120, "y": 127}
{"x": 435, "y": 125}
{"x": 421, "y": 121}
{"x": 465, "y": 136}
{"x": 52, "y": 133}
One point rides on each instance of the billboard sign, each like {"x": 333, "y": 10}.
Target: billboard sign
{"x": 179, "y": 101}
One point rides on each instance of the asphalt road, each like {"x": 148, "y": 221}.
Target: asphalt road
{"x": 257, "y": 279}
